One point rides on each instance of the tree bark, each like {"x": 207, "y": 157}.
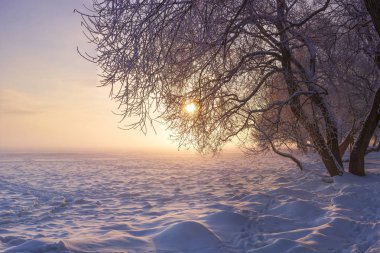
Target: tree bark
{"x": 332, "y": 164}
{"x": 358, "y": 152}
{"x": 356, "y": 165}
{"x": 373, "y": 8}
{"x": 331, "y": 129}
{"x": 287, "y": 155}
{"x": 346, "y": 142}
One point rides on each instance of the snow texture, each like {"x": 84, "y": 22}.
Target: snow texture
{"x": 110, "y": 203}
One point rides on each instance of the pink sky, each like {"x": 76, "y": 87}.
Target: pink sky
{"x": 48, "y": 95}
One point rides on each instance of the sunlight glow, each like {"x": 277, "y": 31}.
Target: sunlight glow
{"x": 190, "y": 108}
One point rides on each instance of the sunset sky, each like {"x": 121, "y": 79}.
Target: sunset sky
{"x": 49, "y": 99}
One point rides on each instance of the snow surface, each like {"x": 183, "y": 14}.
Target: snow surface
{"x": 184, "y": 203}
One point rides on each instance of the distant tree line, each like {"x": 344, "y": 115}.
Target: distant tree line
{"x": 278, "y": 75}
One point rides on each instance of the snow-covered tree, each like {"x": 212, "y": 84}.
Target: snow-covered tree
{"x": 247, "y": 68}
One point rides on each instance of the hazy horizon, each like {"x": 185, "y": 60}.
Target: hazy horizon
{"x": 231, "y": 148}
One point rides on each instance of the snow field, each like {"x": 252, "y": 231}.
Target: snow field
{"x": 229, "y": 204}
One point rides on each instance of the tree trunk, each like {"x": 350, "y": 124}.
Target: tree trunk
{"x": 356, "y": 165}
{"x": 361, "y": 144}
{"x": 332, "y": 164}
{"x": 373, "y": 8}
{"x": 331, "y": 130}
{"x": 346, "y": 142}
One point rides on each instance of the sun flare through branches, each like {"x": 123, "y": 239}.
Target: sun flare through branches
{"x": 190, "y": 108}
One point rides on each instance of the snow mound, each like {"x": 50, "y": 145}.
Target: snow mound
{"x": 188, "y": 236}
{"x": 275, "y": 224}
{"x": 341, "y": 227}
{"x": 111, "y": 242}
{"x": 283, "y": 246}
{"x": 340, "y": 230}
{"x": 285, "y": 193}
{"x": 227, "y": 219}
{"x": 37, "y": 246}
{"x": 298, "y": 209}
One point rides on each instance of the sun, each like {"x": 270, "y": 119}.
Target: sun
{"x": 190, "y": 108}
